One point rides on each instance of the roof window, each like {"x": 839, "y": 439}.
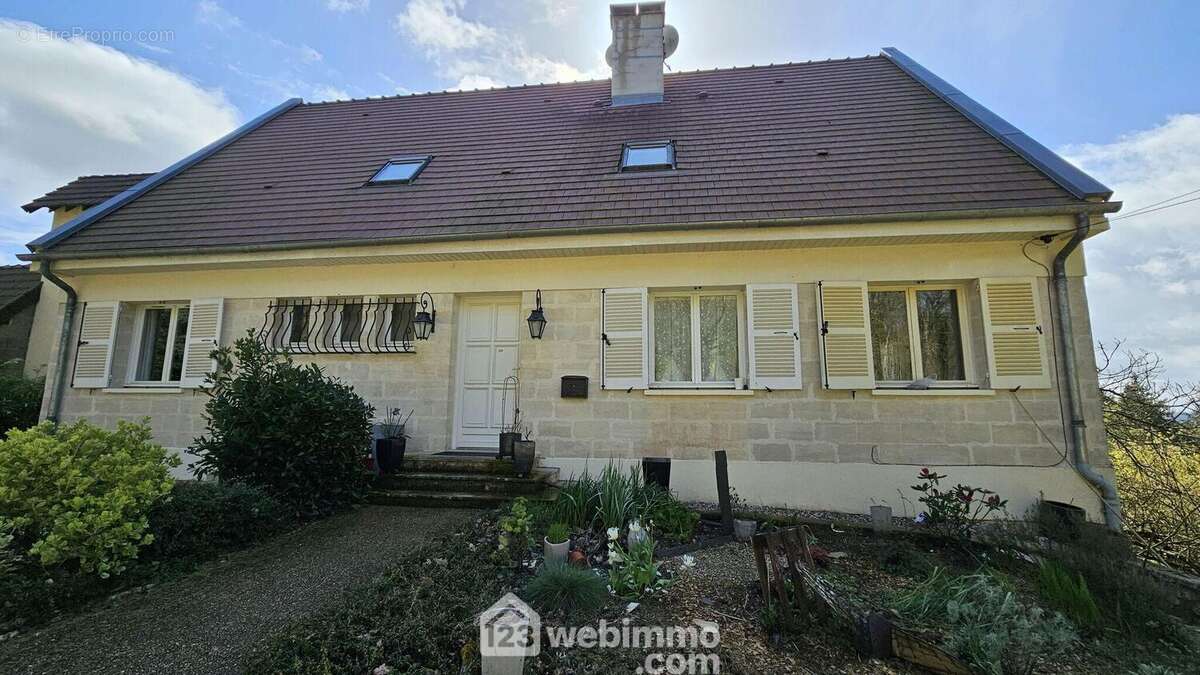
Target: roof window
{"x": 648, "y": 156}
{"x": 401, "y": 170}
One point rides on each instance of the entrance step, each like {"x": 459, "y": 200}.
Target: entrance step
{"x": 464, "y": 482}
{"x": 435, "y": 481}
{"x": 459, "y": 500}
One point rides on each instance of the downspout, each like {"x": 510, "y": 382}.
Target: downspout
{"x": 1066, "y": 341}
{"x": 64, "y": 338}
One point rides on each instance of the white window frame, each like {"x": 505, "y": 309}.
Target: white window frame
{"x": 135, "y": 350}
{"x": 695, "y": 296}
{"x": 914, "y": 334}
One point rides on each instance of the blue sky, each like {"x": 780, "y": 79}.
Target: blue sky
{"x": 1112, "y": 85}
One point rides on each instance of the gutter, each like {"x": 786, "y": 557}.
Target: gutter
{"x": 1110, "y": 502}
{"x": 145, "y": 185}
{"x": 965, "y": 214}
{"x": 54, "y": 408}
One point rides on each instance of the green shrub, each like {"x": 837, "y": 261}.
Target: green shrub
{"x": 957, "y": 511}
{"x": 198, "y": 520}
{"x": 558, "y": 533}
{"x": 987, "y": 626}
{"x": 1068, "y": 594}
{"x": 80, "y": 494}
{"x": 288, "y": 429}
{"x": 671, "y": 519}
{"x": 516, "y": 531}
{"x": 577, "y": 501}
{"x": 615, "y": 496}
{"x": 559, "y": 587}
{"x": 20, "y": 399}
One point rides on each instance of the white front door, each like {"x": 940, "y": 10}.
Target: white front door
{"x": 487, "y": 353}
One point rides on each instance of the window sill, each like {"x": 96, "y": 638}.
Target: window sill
{"x": 142, "y": 390}
{"x": 698, "y": 392}
{"x": 933, "y": 392}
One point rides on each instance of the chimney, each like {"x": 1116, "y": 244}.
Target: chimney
{"x": 641, "y": 41}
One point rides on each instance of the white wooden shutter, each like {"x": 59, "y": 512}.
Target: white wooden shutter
{"x": 845, "y": 325}
{"x": 97, "y": 336}
{"x": 203, "y": 334}
{"x": 1012, "y": 324}
{"x": 624, "y": 338}
{"x": 774, "y": 344}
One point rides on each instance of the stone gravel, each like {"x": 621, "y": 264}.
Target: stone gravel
{"x": 209, "y": 621}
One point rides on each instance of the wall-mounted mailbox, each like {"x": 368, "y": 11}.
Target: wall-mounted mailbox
{"x": 574, "y": 386}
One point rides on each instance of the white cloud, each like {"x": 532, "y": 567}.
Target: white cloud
{"x": 436, "y": 25}
{"x": 309, "y": 55}
{"x": 106, "y": 112}
{"x": 1144, "y": 275}
{"x": 347, "y": 5}
{"x": 212, "y": 13}
{"x": 477, "y": 55}
{"x": 331, "y": 93}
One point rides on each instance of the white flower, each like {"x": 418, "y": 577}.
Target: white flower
{"x": 689, "y": 561}
{"x": 635, "y": 526}
{"x": 613, "y": 533}
{"x": 613, "y": 557}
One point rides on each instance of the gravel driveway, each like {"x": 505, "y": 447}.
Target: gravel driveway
{"x": 207, "y": 622}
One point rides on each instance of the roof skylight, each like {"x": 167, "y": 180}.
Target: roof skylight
{"x": 401, "y": 170}
{"x": 648, "y": 156}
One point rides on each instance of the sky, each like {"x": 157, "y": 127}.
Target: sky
{"x": 116, "y": 87}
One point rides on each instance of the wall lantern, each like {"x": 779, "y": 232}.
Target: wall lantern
{"x": 537, "y": 319}
{"x": 426, "y": 318}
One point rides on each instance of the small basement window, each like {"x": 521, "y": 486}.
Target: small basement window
{"x": 401, "y": 170}
{"x": 648, "y": 156}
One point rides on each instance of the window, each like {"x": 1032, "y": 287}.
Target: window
{"x": 160, "y": 337}
{"x": 917, "y": 332}
{"x": 400, "y": 315}
{"x": 696, "y": 338}
{"x": 401, "y": 170}
{"x": 648, "y": 156}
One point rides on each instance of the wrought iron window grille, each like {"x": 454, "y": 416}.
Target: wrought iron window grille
{"x": 351, "y": 325}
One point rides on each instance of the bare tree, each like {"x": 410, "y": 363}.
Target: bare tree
{"x": 1154, "y": 441}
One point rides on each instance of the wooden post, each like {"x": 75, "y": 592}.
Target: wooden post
{"x": 723, "y": 491}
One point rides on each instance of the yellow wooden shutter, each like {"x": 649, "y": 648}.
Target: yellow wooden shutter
{"x": 1012, "y": 322}
{"x": 845, "y": 326}
{"x": 203, "y": 335}
{"x": 624, "y": 338}
{"x": 774, "y": 345}
{"x": 97, "y": 336}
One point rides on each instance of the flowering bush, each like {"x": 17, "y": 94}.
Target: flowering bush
{"x": 82, "y": 494}
{"x": 958, "y": 510}
{"x": 633, "y": 573}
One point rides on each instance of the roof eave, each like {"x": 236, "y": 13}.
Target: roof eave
{"x": 115, "y": 202}
{"x": 1091, "y": 208}
{"x": 1067, "y": 175}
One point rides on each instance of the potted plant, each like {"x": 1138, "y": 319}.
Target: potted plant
{"x": 523, "y": 454}
{"x": 389, "y": 447}
{"x": 557, "y": 544}
{"x": 509, "y": 435}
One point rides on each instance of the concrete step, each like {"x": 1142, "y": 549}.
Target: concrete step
{"x": 466, "y": 465}
{"x": 469, "y": 500}
{"x": 463, "y": 483}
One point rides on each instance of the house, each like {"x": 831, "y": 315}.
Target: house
{"x": 19, "y": 289}
{"x": 837, "y": 271}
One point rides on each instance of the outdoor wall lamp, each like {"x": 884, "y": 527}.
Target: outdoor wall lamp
{"x": 537, "y": 319}
{"x": 426, "y": 318}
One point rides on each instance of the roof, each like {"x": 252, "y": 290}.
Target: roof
{"x": 19, "y": 288}
{"x": 784, "y": 143}
{"x": 86, "y": 191}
